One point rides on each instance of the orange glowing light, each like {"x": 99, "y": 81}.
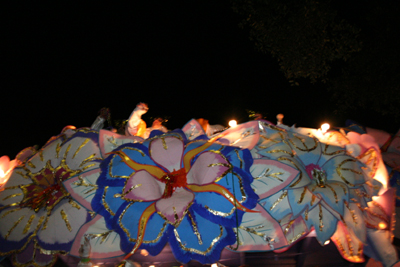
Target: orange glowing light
{"x": 382, "y": 225}
{"x": 6, "y": 166}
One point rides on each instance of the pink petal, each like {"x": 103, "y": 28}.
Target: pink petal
{"x": 143, "y": 186}
{"x": 174, "y": 208}
{"x": 167, "y": 152}
{"x": 207, "y": 168}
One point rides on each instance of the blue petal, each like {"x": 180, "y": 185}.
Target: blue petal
{"x": 127, "y": 225}
{"x": 277, "y": 205}
{"x": 214, "y": 238}
{"x": 324, "y": 223}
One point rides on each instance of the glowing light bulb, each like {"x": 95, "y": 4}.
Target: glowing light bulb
{"x": 325, "y": 127}
{"x": 6, "y": 166}
{"x": 327, "y": 242}
{"x": 382, "y": 225}
{"x": 232, "y": 123}
{"x": 144, "y": 252}
{"x": 214, "y": 265}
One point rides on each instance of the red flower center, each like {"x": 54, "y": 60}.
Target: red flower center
{"x": 173, "y": 180}
{"x": 46, "y": 189}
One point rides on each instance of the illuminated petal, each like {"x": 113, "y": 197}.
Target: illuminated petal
{"x": 271, "y": 176}
{"x": 109, "y": 141}
{"x": 302, "y": 199}
{"x": 174, "y": 208}
{"x": 270, "y": 135}
{"x": 354, "y": 221}
{"x": 244, "y": 135}
{"x": 379, "y": 214}
{"x": 16, "y": 226}
{"x": 107, "y": 201}
{"x": 307, "y": 149}
{"x": 344, "y": 169}
{"x": 366, "y": 140}
{"x": 294, "y": 229}
{"x": 83, "y": 187}
{"x": 349, "y": 246}
{"x": 199, "y": 239}
{"x": 152, "y": 233}
{"x": 50, "y": 151}
{"x": 25, "y": 154}
{"x": 193, "y": 129}
{"x": 11, "y": 193}
{"x": 323, "y": 221}
{"x": 63, "y": 224}
{"x": 217, "y": 209}
{"x": 259, "y": 232}
{"x": 334, "y": 194}
{"x": 167, "y": 152}
{"x": 104, "y": 243}
{"x": 207, "y": 168}
{"x": 274, "y": 150}
{"x": 143, "y": 187}
{"x": 302, "y": 179}
{"x": 277, "y": 205}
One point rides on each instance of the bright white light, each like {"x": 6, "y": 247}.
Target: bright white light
{"x": 214, "y": 265}
{"x": 327, "y": 242}
{"x": 152, "y": 266}
{"x": 325, "y": 127}
{"x": 232, "y": 123}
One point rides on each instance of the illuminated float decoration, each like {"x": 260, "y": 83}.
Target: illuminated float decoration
{"x": 252, "y": 187}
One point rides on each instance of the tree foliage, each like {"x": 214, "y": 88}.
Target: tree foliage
{"x": 351, "y": 46}
{"x": 305, "y": 36}
{"x": 371, "y": 79}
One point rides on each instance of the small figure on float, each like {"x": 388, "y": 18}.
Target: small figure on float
{"x": 135, "y": 125}
{"x": 210, "y": 129}
{"x": 279, "y": 119}
{"x": 104, "y": 115}
{"x": 84, "y": 253}
{"x": 157, "y": 125}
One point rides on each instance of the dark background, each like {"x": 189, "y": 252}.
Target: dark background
{"x": 63, "y": 62}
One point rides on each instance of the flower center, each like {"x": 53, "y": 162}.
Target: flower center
{"x": 40, "y": 198}
{"x": 320, "y": 177}
{"x": 47, "y": 188}
{"x": 317, "y": 174}
{"x": 173, "y": 180}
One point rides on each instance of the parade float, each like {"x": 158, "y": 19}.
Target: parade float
{"x": 92, "y": 196}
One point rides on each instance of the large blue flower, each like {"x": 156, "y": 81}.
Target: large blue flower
{"x": 191, "y": 194}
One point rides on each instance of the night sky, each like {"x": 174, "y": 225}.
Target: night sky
{"x": 64, "y": 61}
